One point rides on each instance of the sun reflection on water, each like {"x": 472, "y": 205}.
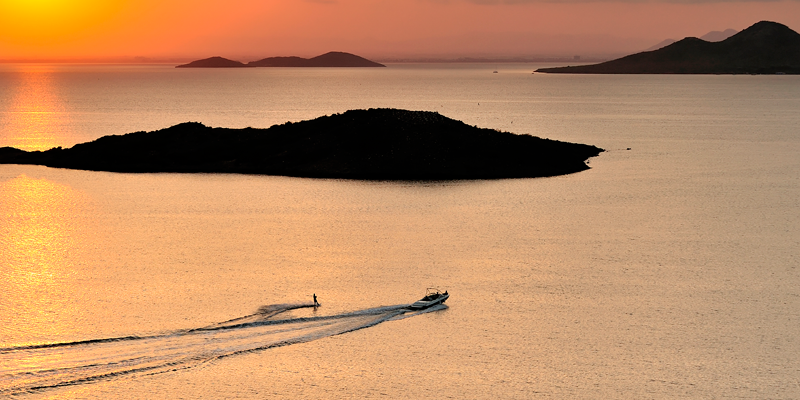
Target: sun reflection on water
{"x": 39, "y": 240}
{"x": 35, "y": 117}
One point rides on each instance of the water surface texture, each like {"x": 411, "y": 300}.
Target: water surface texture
{"x": 669, "y": 270}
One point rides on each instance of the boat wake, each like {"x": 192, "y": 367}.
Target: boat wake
{"x": 29, "y": 369}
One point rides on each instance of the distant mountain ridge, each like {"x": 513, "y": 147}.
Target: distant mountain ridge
{"x": 764, "y": 48}
{"x": 713, "y": 36}
{"x": 717, "y": 36}
{"x": 330, "y": 59}
{"x": 661, "y": 44}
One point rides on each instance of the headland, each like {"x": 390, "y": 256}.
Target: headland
{"x": 764, "y": 48}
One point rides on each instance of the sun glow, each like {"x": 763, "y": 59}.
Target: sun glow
{"x": 39, "y": 236}
{"x": 35, "y": 117}
{"x": 48, "y": 22}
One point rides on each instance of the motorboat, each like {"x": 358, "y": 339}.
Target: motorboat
{"x": 432, "y": 297}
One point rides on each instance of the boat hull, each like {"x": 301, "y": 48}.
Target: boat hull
{"x": 423, "y": 304}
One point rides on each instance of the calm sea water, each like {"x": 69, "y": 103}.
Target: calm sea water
{"x": 668, "y": 270}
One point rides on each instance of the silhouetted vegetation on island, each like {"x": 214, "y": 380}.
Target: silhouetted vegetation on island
{"x": 331, "y": 59}
{"x": 764, "y": 48}
{"x": 375, "y": 144}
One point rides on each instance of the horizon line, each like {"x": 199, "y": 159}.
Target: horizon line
{"x": 399, "y": 59}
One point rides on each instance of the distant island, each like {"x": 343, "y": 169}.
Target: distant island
{"x": 764, "y": 48}
{"x": 374, "y": 144}
{"x": 331, "y": 59}
{"x": 214, "y": 62}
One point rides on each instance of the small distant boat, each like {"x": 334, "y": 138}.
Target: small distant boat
{"x": 432, "y": 297}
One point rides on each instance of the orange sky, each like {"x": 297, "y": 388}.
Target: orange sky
{"x": 251, "y": 29}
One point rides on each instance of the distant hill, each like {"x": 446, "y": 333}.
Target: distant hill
{"x": 717, "y": 36}
{"x": 331, "y": 59}
{"x": 280, "y": 62}
{"x": 213, "y": 62}
{"x": 764, "y": 48}
{"x": 663, "y": 43}
{"x": 378, "y": 144}
{"x": 713, "y": 36}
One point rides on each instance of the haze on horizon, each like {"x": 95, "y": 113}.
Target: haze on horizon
{"x": 42, "y": 30}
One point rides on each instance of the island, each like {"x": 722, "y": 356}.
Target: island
{"x": 330, "y": 59}
{"x": 373, "y": 144}
{"x": 764, "y": 48}
{"x": 213, "y": 62}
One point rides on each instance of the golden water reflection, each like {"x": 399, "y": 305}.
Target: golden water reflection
{"x": 40, "y": 240}
{"x": 34, "y": 116}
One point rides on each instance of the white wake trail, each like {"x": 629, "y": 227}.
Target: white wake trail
{"x": 29, "y": 369}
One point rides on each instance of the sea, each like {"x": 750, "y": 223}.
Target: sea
{"x": 669, "y": 269}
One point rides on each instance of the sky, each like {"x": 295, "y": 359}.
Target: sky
{"x": 247, "y": 30}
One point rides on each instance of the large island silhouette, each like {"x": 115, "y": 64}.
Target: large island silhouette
{"x": 330, "y": 59}
{"x": 764, "y": 48}
{"x": 374, "y": 144}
